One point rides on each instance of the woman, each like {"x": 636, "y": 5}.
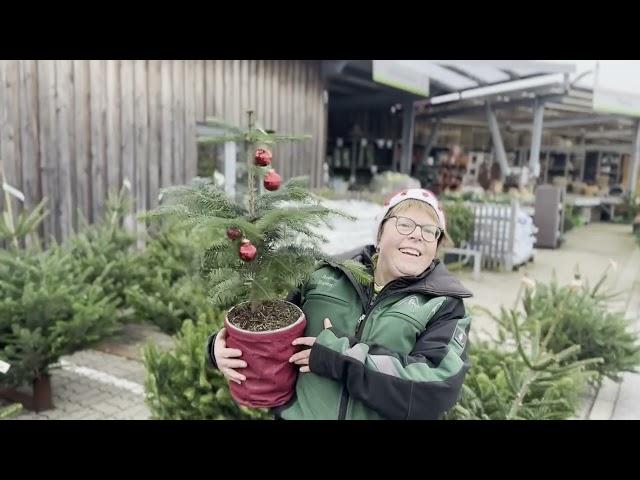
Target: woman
{"x": 397, "y": 350}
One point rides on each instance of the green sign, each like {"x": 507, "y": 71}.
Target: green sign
{"x": 401, "y": 76}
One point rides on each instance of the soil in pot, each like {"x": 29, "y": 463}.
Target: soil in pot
{"x": 267, "y": 316}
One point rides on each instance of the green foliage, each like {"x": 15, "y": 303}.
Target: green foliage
{"x": 167, "y": 304}
{"x": 10, "y": 411}
{"x": 168, "y": 288}
{"x": 47, "y": 310}
{"x": 179, "y": 386}
{"x": 630, "y": 208}
{"x": 498, "y": 379}
{"x": 572, "y": 218}
{"x": 585, "y": 321}
{"x": 518, "y": 376}
{"x": 24, "y": 225}
{"x": 102, "y": 253}
{"x": 562, "y": 338}
{"x": 460, "y": 220}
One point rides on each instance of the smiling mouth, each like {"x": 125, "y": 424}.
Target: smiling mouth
{"x": 412, "y": 252}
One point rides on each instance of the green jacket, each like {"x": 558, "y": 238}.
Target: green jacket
{"x": 399, "y": 355}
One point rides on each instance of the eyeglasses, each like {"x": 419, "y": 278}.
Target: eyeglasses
{"x": 405, "y": 226}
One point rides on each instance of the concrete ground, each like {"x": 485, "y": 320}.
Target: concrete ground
{"x": 102, "y": 383}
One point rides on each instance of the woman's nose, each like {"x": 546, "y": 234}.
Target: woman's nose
{"x": 417, "y": 233}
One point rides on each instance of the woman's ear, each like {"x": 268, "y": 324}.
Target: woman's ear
{"x": 446, "y": 241}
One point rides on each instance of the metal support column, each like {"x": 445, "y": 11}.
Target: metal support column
{"x": 536, "y": 140}
{"x": 408, "y": 119}
{"x": 635, "y": 161}
{"x": 501, "y": 155}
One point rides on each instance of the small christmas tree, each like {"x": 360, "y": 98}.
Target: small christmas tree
{"x": 260, "y": 250}
{"x": 264, "y": 249}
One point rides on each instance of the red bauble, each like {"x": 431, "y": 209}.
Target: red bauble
{"x": 263, "y": 157}
{"x": 272, "y": 180}
{"x": 247, "y": 251}
{"x": 233, "y": 233}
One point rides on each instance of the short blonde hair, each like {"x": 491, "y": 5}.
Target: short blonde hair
{"x": 406, "y": 205}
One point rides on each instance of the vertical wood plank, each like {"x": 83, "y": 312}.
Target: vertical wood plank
{"x": 166, "y": 107}
{"x": 155, "y": 131}
{"x": 48, "y": 150}
{"x": 251, "y": 103}
{"x": 66, "y": 141}
{"x": 82, "y": 118}
{"x": 9, "y": 115}
{"x": 10, "y": 132}
{"x": 29, "y": 134}
{"x": 261, "y": 101}
{"x": 284, "y": 100}
{"x": 98, "y": 130}
{"x": 323, "y": 119}
{"x": 307, "y": 164}
{"x": 271, "y": 91}
{"x": 127, "y": 82}
{"x": 113, "y": 107}
{"x": 198, "y": 93}
{"x": 295, "y": 117}
{"x": 210, "y": 88}
{"x": 178, "y": 122}
{"x": 237, "y": 94}
{"x": 219, "y": 89}
{"x": 141, "y": 138}
{"x": 191, "y": 151}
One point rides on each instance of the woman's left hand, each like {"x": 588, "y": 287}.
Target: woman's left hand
{"x": 302, "y": 357}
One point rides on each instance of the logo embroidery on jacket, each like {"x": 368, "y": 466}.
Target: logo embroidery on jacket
{"x": 460, "y": 337}
{"x": 326, "y": 281}
{"x": 411, "y": 301}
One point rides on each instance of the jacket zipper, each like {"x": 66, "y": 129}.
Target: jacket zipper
{"x": 368, "y": 308}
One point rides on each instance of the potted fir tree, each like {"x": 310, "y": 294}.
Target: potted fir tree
{"x": 261, "y": 249}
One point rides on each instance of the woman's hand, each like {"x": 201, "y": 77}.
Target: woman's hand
{"x": 302, "y": 357}
{"x": 227, "y": 358}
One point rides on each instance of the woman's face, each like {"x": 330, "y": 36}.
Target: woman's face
{"x": 405, "y": 255}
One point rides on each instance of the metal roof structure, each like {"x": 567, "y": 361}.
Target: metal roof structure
{"x": 514, "y": 95}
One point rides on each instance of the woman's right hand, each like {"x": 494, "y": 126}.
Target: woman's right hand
{"x": 227, "y": 358}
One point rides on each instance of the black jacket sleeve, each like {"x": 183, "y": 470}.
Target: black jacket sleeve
{"x": 208, "y": 351}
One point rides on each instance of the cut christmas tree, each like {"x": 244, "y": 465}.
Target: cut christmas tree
{"x": 261, "y": 250}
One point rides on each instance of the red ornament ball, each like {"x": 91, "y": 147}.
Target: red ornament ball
{"x": 263, "y": 157}
{"x": 233, "y": 233}
{"x": 272, "y": 181}
{"x": 247, "y": 251}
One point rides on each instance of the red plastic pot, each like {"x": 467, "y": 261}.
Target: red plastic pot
{"x": 270, "y": 377}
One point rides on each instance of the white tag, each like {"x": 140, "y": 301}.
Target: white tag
{"x": 126, "y": 184}
{"x": 4, "y": 367}
{"x": 13, "y": 191}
